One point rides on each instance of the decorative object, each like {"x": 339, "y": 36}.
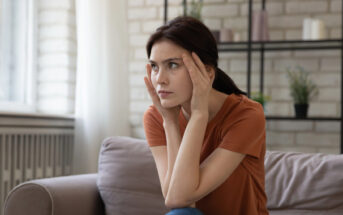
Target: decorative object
{"x": 318, "y": 29}
{"x": 216, "y": 34}
{"x": 307, "y": 23}
{"x": 226, "y": 35}
{"x": 260, "y": 30}
{"x": 237, "y": 37}
{"x": 194, "y": 9}
{"x": 313, "y": 29}
{"x": 303, "y": 90}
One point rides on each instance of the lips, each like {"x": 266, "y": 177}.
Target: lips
{"x": 164, "y": 94}
{"x": 164, "y": 91}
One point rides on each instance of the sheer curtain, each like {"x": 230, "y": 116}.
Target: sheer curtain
{"x": 102, "y": 100}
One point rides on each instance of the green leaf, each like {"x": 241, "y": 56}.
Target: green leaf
{"x": 302, "y": 89}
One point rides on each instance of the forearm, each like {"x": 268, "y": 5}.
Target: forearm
{"x": 173, "y": 137}
{"x": 186, "y": 173}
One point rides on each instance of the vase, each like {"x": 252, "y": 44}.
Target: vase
{"x": 260, "y": 31}
{"x": 301, "y": 110}
{"x": 216, "y": 34}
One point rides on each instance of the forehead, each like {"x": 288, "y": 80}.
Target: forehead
{"x": 165, "y": 49}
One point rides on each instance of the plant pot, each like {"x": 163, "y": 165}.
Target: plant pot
{"x": 301, "y": 110}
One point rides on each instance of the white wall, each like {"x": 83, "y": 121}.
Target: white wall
{"x": 56, "y": 56}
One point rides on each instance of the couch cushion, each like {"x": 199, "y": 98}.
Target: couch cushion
{"x": 304, "y": 182}
{"x": 127, "y": 178}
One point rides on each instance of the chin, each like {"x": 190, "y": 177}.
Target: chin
{"x": 168, "y": 104}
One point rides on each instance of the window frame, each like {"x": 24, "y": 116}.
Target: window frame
{"x": 29, "y": 103}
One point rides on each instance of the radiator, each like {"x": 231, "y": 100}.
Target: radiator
{"x": 33, "y": 149}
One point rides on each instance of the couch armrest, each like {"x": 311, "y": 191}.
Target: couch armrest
{"x": 67, "y": 195}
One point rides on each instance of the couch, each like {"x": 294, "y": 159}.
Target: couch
{"x": 127, "y": 183}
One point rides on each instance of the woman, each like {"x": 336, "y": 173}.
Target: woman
{"x": 206, "y": 136}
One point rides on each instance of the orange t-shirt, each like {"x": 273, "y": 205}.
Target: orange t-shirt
{"x": 238, "y": 126}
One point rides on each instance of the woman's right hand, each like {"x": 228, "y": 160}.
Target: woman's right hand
{"x": 168, "y": 114}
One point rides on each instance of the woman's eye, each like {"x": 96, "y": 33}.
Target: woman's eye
{"x": 154, "y": 67}
{"x": 172, "y": 65}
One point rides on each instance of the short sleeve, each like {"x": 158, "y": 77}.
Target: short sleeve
{"x": 247, "y": 134}
{"x": 153, "y": 127}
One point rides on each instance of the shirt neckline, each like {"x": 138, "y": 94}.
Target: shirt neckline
{"x": 218, "y": 114}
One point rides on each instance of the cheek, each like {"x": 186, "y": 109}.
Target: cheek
{"x": 153, "y": 81}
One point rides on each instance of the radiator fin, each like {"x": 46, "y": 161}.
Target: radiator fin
{"x": 33, "y": 155}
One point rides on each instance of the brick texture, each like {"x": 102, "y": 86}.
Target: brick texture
{"x": 56, "y": 56}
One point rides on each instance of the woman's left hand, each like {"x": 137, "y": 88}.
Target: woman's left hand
{"x": 202, "y": 82}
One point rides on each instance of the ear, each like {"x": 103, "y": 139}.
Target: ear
{"x": 211, "y": 71}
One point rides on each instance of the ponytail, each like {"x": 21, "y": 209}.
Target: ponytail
{"x": 223, "y": 83}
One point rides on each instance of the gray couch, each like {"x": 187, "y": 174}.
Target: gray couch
{"x": 127, "y": 183}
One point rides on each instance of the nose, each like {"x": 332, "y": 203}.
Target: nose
{"x": 162, "y": 77}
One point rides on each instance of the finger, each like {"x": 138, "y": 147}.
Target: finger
{"x": 150, "y": 87}
{"x": 151, "y": 91}
{"x": 190, "y": 65}
{"x": 147, "y": 80}
{"x": 148, "y": 71}
{"x": 199, "y": 64}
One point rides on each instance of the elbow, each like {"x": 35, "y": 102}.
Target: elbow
{"x": 170, "y": 204}
{"x": 176, "y": 203}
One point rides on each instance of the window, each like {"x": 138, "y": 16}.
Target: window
{"x": 17, "y": 55}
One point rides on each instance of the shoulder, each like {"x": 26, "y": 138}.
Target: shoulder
{"x": 243, "y": 130}
{"x": 151, "y": 115}
{"x": 249, "y": 107}
{"x": 245, "y": 111}
{"x": 151, "y": 112}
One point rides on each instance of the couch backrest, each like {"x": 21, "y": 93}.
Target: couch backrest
{"x": 128, "y": 181}
{"x": 127, "y": 178}
{"x": 304, "y": 181}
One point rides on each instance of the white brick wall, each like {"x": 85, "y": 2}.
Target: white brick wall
{"x": 57, "y": 56}
{"x": 226, "y": 10}
{"x": 336, "y": 5}
{"x": 293, "y": 7}
{"x": 285, "y": 22}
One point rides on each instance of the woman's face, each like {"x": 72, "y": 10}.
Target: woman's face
{"x": 169, "y": 75}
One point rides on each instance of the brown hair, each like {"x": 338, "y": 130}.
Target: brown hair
{"x": 194, "y": 36}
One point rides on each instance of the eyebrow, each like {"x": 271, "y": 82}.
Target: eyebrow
{"x": 167, "y": 60}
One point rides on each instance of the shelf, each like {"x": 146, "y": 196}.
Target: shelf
{"x": 308, "y": 118}
{"x": 281, "y": 45}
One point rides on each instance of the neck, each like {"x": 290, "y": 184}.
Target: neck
{"x": 216, "y": 101}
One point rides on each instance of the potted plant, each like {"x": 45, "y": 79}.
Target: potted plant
{"x": 260, "y": 97}
{"x": 194, "y": 9}
{"x": 302, "y": 90}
